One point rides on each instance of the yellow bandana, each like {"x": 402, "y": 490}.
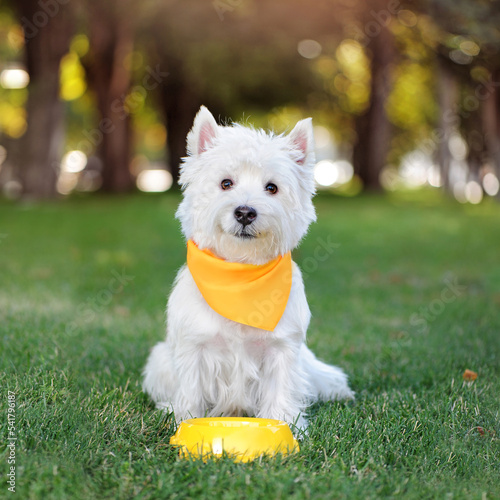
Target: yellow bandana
{"x": 245, "y": 293}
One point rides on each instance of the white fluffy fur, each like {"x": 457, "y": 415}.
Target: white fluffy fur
{"x": 209, "y": 365}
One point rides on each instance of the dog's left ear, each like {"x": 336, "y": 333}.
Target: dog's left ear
{"x": 204, "y": 131}
{"x": 302, "y": 141}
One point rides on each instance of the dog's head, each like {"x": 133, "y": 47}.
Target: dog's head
{"x": 247, "y": 193}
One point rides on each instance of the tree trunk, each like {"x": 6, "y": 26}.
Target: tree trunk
{"x": 180, "y": 103}
{"x": 373, "y": 128}
{"x": 111, "y": 41}
{"x": 47, "y": 34}
{"x": 448, "y": 119}
{"x": 475, "y": 139}
{"x": 43, "y": 143}
{"x": 491, "y": 122}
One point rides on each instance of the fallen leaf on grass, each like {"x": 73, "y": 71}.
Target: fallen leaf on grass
{"x": 395, "y": 279}
{"x": 469, "y": 375}
{"x": 483, "y": 431}
{"x": 122, "y": 311}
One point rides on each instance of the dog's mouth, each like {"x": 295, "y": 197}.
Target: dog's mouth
{"x": 245, "y": 235}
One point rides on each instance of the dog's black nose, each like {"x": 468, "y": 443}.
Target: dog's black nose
{"x": 245, "y": 215}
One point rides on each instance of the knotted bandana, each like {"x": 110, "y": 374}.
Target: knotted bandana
{"x": 245, "y": 293}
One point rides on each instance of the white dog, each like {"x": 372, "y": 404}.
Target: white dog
{"x": 237, "y": 316}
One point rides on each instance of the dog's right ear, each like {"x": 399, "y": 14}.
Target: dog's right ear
{"x": 203, "y": 133}
{"x": 302, "y": 142}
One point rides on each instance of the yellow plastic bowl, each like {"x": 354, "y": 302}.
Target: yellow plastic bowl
{"x": 243, "y": 439}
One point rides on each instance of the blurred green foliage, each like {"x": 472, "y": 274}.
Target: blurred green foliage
{"x": 243, "y": 57}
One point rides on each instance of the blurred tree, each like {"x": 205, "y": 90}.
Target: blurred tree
{"x": 411, "y": 106}
{"x": 47, "y": 32}
{"x": 467, "y": 42}
{"x": 373, "y": 127}
{"x": 374, "y": 72}
{"x": 233, "y": 57}
{"x": 110, "y": 26}
{"x": 491, "y": 118}
{"x": 180, "y": 99}
{"x": 448, "y": 92}
{"x": 169, "y": 32}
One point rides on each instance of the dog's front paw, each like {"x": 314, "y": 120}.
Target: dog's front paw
{"x": 297, "y": 422}
{"x": 165, "y": 406}
{"x": 299, "y": 426}
{"x": 180, "y": 412}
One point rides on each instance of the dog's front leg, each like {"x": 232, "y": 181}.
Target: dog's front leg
{"x": 189, "y": 400}
{"x": 282, "y": 386}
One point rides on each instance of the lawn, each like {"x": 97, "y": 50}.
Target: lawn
{"x": 405, "y": 296}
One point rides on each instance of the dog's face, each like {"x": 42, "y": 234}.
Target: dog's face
{"x": 247, "y": 193}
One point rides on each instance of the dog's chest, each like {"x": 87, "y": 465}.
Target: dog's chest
{"x": 241, "y": 346}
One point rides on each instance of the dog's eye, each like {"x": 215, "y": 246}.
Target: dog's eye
{"x": 226, "y": 184}
{"x": 272, "y": 188}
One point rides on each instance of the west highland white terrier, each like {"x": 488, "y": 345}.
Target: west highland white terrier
{"x": 237, "y": 316}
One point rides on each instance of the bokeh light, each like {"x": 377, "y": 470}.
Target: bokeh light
{"x": 325, "y": 173}
{"x": 434, "y": 176}
{"x": 73, "y": 83}
{"x": 14, "y": 78}
{"x": 74, "y": 161}
{"x": 154, "y": 180}
{"x": 310, "y": 49}
{"x": 328, "y": 173}
{"x": 414, "y": 169}
{"x": 458, "y": 147}
{"x": 491, "y": 184}
{"x": 473, "y": 192}
{"x": 66, "y": 182}
{"x": 459, "y": 192}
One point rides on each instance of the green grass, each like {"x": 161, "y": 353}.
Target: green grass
{"x": 73, "y": 351}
